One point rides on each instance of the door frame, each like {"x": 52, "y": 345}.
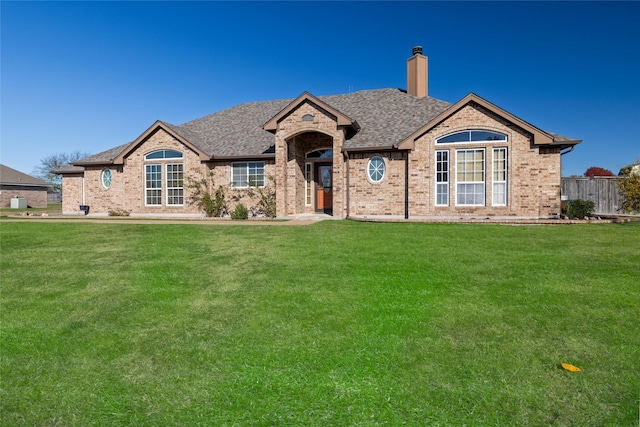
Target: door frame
{"x": 317, "y": 186}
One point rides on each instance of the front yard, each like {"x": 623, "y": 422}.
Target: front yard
{"x": 335, "y": 323}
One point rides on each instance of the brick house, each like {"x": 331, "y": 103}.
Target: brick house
{"x": 386, "y": 153}
{"x": 14, "y": 184}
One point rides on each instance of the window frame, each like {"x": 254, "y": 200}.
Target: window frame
{"x": 106, "y": 185}
{"x": 474, "y": 183}
{"x": 169, "y": 190}
{"x": 260, "y": 183}
{"x": 504, "y": 170}
{"x": 470, "y": 139}
{"x": 147, "y": 189}
{"x": 383, "y": 174}
{"x": 308, "y": 184}
{"x": 154, "y": 155}
{"x": 442, "y": 177}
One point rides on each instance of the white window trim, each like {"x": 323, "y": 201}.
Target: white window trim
{"x": 308, "y": 184}
{"x": 506, "y": 177}
{"x": 146, "y": 189}
{"x": 487, "y": 141}
{"x": 166, "y": 185}
{"x": 104, "y": 171}
{"x": 264, "y": 175}
{"x": 384, "y": 171}
{"x": 446, "y": 183}
{"x": 484, "y": 175}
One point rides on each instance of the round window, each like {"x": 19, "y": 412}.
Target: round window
{"x": 106, "y": 178}
{"x": 376, "y": 169}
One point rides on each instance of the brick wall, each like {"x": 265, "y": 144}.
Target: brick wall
{"x": 387, "y": 197}
{"x": 294, "y": 138}
{"x": 533, "y": 173}
{"x": 127, "y": 190}
{"x": 36, "y": 196}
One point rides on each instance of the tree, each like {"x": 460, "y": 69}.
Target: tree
{"x": 56, "y": 161}
{"x": 597, "y": 171}
{"x": 629, "y": 187}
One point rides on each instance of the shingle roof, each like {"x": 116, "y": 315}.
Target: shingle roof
{"x": 385, "y": 116}
{"x": 9, "y": 176}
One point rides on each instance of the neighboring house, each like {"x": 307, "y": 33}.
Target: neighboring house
{"x": 17, "y": 184}
{"x": 384, "y": 153}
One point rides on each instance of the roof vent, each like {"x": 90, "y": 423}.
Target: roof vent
{"x": 417, "y": 50}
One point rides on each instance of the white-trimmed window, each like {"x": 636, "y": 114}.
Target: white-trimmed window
{"x": 442, "y": 178}
{"x": 163, "y": 154}
{"x": 470, "y": 177}
{"x": 175, "y": 189}
{"x": 499, "y": 189}
{"x": 376, "y": 169}
{"x": 153, "y": 185}
{"x": 106, "y": 178}
{"x": 472, "y": 136}
{"x": 247, "y": 173}
{"x": 308, "y": 183}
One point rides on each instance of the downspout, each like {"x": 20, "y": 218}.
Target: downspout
{"x": 406, "y": 185}
{"x": 567, "y": 152}
{"x": 346, "y": 155}
{"x": 83, "y": 190}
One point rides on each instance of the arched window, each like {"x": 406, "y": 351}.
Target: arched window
{"x": 167, "y": 189}
{"x": 320, "y": 154}
{"x": 472, "y": 136}
{"x": 163, "y": 154}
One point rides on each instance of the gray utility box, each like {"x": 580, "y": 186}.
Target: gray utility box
{"x": 18, "y": 203}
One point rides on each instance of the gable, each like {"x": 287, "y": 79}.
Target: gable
{"x": 538, "y": 136}
{"x": 306, "y": 98}
{"x": 156, "y": 127}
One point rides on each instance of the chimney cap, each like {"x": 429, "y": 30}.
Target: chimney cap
{"x": 417, "y": 50}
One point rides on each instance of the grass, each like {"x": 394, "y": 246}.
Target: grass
{"x": 52, "y": 207}
{"x": 337, "y": 323}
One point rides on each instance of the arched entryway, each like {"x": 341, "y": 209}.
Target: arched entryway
{"x": 309, "y": 173}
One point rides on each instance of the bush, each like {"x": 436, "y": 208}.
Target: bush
{"x": 206, "y": 195}
{"x": 629, "y": 187}
{"x": 119, "y": 212}
{"x": 266, "y": 197}
{"x": 580, "y": 208}
{"x": 240, "y": 212}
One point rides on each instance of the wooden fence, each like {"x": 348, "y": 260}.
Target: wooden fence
{"x": 601, "y": 190}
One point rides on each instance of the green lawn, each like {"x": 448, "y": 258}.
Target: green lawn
{"x": 337, "y": 323}
{"x": 54, "y": 207}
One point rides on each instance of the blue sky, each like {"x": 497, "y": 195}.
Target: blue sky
{"x": 87, "y": 76}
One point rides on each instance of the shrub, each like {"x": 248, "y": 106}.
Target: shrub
{"x": 266, "y": 197}
{"x": 240, "y": 212}
{"x": 580, "y": 208}
{"x": 119, "y": 212}
{"x": 206, "y": 196}
{"x": 629, "y": 187}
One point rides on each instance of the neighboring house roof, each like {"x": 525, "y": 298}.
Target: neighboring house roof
{"x": 9, "y": 176}
{"x": 68, "y": 169}
{"x": 379, "y": 118}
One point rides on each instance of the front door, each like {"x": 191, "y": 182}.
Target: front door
{"x": 324, "y": 188}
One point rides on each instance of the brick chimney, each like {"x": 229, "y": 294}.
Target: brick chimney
{"x": 417, "y": 74}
